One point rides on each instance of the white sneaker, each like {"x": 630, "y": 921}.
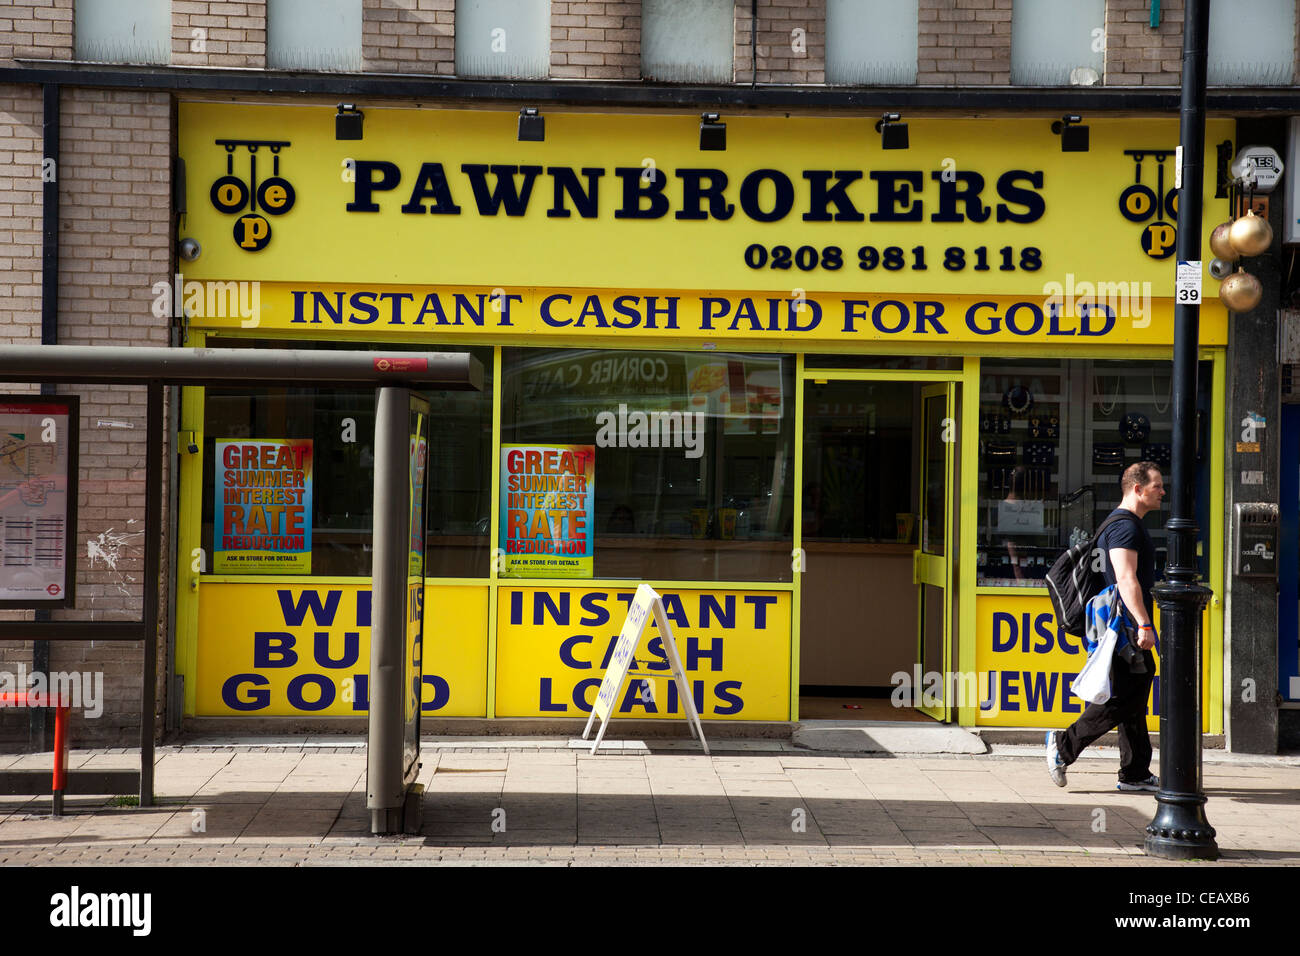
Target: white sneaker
{"x": 1055, "y": 765}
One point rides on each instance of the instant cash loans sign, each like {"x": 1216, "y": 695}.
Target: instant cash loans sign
{"x": 547, "y": 505}
{"x": 262, "y": 514}
{"x": 555, "y": 644}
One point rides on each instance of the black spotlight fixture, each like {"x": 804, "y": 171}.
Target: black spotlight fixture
{"x": 893, "y": 134}
{"x": 1074, "y": 138}
{"x": 713, "y": 134}
{"x": 532, "y": 125}
{"x": 347, "y": 124}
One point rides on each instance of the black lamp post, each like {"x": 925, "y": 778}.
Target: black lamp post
{"x": 1180, "y": 829}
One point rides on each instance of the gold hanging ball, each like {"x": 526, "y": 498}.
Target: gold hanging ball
{"x": 1241, "y": 291}
{"x": 1251, "y": 235}
{"x": 1220, "y": 245}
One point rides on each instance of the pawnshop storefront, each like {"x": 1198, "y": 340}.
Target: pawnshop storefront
{"x": 841, "y": 406}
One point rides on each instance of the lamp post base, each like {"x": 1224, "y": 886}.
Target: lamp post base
{"x": 1180, "y": 830}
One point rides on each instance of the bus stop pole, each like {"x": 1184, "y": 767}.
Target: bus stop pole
{"x": 385, "y": 787}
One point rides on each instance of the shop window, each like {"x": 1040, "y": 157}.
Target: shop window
{"x": 127, "y": 31}
{"x": 1055, "y": 437}
{"x": 1252, "y": 43}
{"x": 688, "y": 41}
{"x": 510, "y": 39}
{"x": 340, "y": 426}
{"x": 314, "y": 35}
{"x": 871, "y": 42}
{"x": 1058, "y": 42}
{"x": 694, "y": 456}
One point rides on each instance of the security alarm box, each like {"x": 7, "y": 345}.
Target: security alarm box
{"x": 1255, "y": 540}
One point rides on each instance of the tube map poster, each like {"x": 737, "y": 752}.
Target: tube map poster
{"x": 38, "y": 441}
{"x": 262, "y": 516}
{"x": 548, "y": 504}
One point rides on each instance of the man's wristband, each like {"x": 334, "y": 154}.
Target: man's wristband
{"x": 1146, "y": 627}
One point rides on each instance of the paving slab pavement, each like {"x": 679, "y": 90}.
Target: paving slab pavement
{"x": 536, "y": 801}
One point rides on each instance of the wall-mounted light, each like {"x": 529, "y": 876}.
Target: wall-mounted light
{"x": 893, "y": 134}
{"x": 347, "y": 123}
{"x": 532, "y": 125}
{"x": 713, "y": 134}
{"x": 1074, "y": 138}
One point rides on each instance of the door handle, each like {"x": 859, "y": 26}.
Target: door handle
{"x": 916, "y": 567}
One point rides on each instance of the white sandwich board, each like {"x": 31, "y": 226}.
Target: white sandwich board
{"x": 646, "y": 602}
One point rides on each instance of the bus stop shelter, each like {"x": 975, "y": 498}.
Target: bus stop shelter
{"x": 393, "y": 734}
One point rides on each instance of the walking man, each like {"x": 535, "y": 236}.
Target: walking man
{"x": 1129, "y": 561}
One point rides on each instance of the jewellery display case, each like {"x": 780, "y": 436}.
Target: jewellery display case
{"x": 1055, "y": 437}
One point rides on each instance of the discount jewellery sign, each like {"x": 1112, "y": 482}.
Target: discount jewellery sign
{"x": 576, "y": 234}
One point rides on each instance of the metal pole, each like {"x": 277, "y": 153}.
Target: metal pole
{"x": 49, "y": 330}
{"x": 1180, "y": 829}
{"x": 131, "y": 365}
{"x": 385, "y": 788}
{"x": 153, "y": 495}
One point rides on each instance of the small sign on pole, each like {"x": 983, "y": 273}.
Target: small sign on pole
{"x": 1187, "y": 282}
{"x": 646, "y": 602}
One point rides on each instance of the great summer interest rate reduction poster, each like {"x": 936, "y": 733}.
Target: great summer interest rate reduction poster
{"x": 548, "y": 503}
{"x": 262, "y": 519}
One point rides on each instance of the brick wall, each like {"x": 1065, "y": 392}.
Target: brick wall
{"x": 964, "y": 43}
{"x": 20, "y": 290}
{"x": 36, "y": 29}
{"x": 115, "y": 239}
{"x": 20, "y": 214}
{"x": 783, "y": 56}
{"x": 1137, "y": 55}
{"x": 409, "y": 36}
{"x": 219, "y": 33}
{"x": 595, "y": 40}
{"x": 114, "y": 179}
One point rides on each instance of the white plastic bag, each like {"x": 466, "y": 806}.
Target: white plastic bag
{"x": 1093, "y": 682}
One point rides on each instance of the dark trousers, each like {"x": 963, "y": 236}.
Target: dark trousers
{"x": 1127, "y": 710}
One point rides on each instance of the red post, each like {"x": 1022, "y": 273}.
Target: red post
{"x": 60, "y": 755}
{"x": 61, "y": 737}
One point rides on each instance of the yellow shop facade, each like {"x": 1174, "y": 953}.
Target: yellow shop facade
{"x": 841, "y": 406}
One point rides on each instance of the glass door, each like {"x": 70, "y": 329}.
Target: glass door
{"x": 932, "y": 564}
{"x": 877, "y": 530}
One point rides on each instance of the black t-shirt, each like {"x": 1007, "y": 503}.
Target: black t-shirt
{"x": 1129, "y": 533}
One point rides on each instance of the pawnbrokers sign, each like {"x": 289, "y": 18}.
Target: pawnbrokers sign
{"x": 977, "y": 206}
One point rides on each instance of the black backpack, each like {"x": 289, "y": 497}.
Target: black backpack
{"x": 1072, "y": 581}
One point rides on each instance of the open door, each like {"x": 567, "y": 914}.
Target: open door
{"x": 932, "y": 562}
